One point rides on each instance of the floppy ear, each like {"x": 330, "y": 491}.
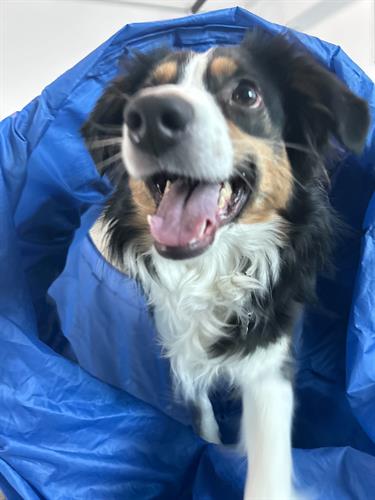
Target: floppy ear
{"x": 316, "y": 102}
{"x": 326, "y": 106}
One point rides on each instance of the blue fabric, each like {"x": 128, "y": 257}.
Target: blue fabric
{"x": 85, "y": 397}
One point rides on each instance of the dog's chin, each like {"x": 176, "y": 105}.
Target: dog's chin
{"x": 184, "y": 252}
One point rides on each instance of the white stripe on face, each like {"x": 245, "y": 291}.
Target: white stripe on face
{"x": 205, "y": 151}
{"x": 193, "y": 75}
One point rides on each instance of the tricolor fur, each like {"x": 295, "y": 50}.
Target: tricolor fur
{"x": 221, "y": 213}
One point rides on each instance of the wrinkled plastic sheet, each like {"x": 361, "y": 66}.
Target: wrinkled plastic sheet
{"x": 86, "y": 403}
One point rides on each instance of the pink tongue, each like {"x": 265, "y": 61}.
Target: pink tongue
{"x": 179, "y": 222}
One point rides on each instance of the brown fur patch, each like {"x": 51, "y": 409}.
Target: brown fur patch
{"x": 223, "y": 66}
{"x": 145, "y": 206}
{"x": 275, "y": 183}
{"x": 166, "y": 72}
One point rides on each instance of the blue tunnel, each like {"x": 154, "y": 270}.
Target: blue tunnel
{"x": 86, "y": 402}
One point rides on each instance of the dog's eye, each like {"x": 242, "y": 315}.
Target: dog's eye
{"x": 245, "y": 94}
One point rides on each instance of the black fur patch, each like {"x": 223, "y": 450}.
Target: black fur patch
{"x": 307, "y": 106}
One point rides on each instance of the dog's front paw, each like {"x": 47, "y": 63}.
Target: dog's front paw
{"x": 210, "y": 432}
{"x": 270, "y": 492}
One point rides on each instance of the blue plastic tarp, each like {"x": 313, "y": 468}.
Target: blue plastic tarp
{"x": 86, "y": 404}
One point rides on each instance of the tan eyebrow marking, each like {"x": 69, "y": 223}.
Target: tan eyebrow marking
{"x": 166, "y": 71}
{"x": 223, "y": 66}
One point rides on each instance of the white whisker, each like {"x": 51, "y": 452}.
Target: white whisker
{"x": 101, "y": 143}
{"x": 109, "y": 161}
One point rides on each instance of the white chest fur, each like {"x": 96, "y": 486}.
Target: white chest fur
{"x": 193, "y": 300}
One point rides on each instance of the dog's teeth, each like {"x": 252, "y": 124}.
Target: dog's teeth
{"x": 167, "y": 186}
{"x": 202, "y": 230}
{"x": 149, "y": 217}
{"x": 201, "y": 233}
{"x": 227, "y": 190}
{"x": 225, "y": 194}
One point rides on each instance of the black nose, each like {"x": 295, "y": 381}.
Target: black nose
{"x": 157, "y": 123}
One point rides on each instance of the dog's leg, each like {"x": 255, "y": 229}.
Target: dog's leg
{"x": 208, "y": 428}
{"x": 266, "y": 430}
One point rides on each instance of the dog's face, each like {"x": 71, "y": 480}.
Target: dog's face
{"x": 202, "y": 140}
{"x": 215, "y": 138}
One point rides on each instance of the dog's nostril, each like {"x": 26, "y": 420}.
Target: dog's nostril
{"x": 134, "y": 121}
{"x": 156, "y": 123}
{"x": 173, "y": 120}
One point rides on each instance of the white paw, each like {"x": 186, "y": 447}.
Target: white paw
{"x": 211, "y": 437}
{"x": 268, "y": 494}
{"x": 272, "y": 492}
{"x": 210, "y": 432}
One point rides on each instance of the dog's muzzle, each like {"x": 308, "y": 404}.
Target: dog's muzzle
{"x": 178, "y": 143}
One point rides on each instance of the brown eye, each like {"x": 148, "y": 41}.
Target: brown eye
{"x": 245, "y": 94}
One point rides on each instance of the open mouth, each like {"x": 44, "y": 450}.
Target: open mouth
{"x": 189, "y": 212}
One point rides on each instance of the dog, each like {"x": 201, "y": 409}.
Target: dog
{"x": 220, "y": 211}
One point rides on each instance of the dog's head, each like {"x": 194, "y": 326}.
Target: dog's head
{"x": 232, "y": 135}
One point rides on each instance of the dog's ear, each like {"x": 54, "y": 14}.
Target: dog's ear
{"x": 316, "y": 102}
{"x": 323, "y": 105}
